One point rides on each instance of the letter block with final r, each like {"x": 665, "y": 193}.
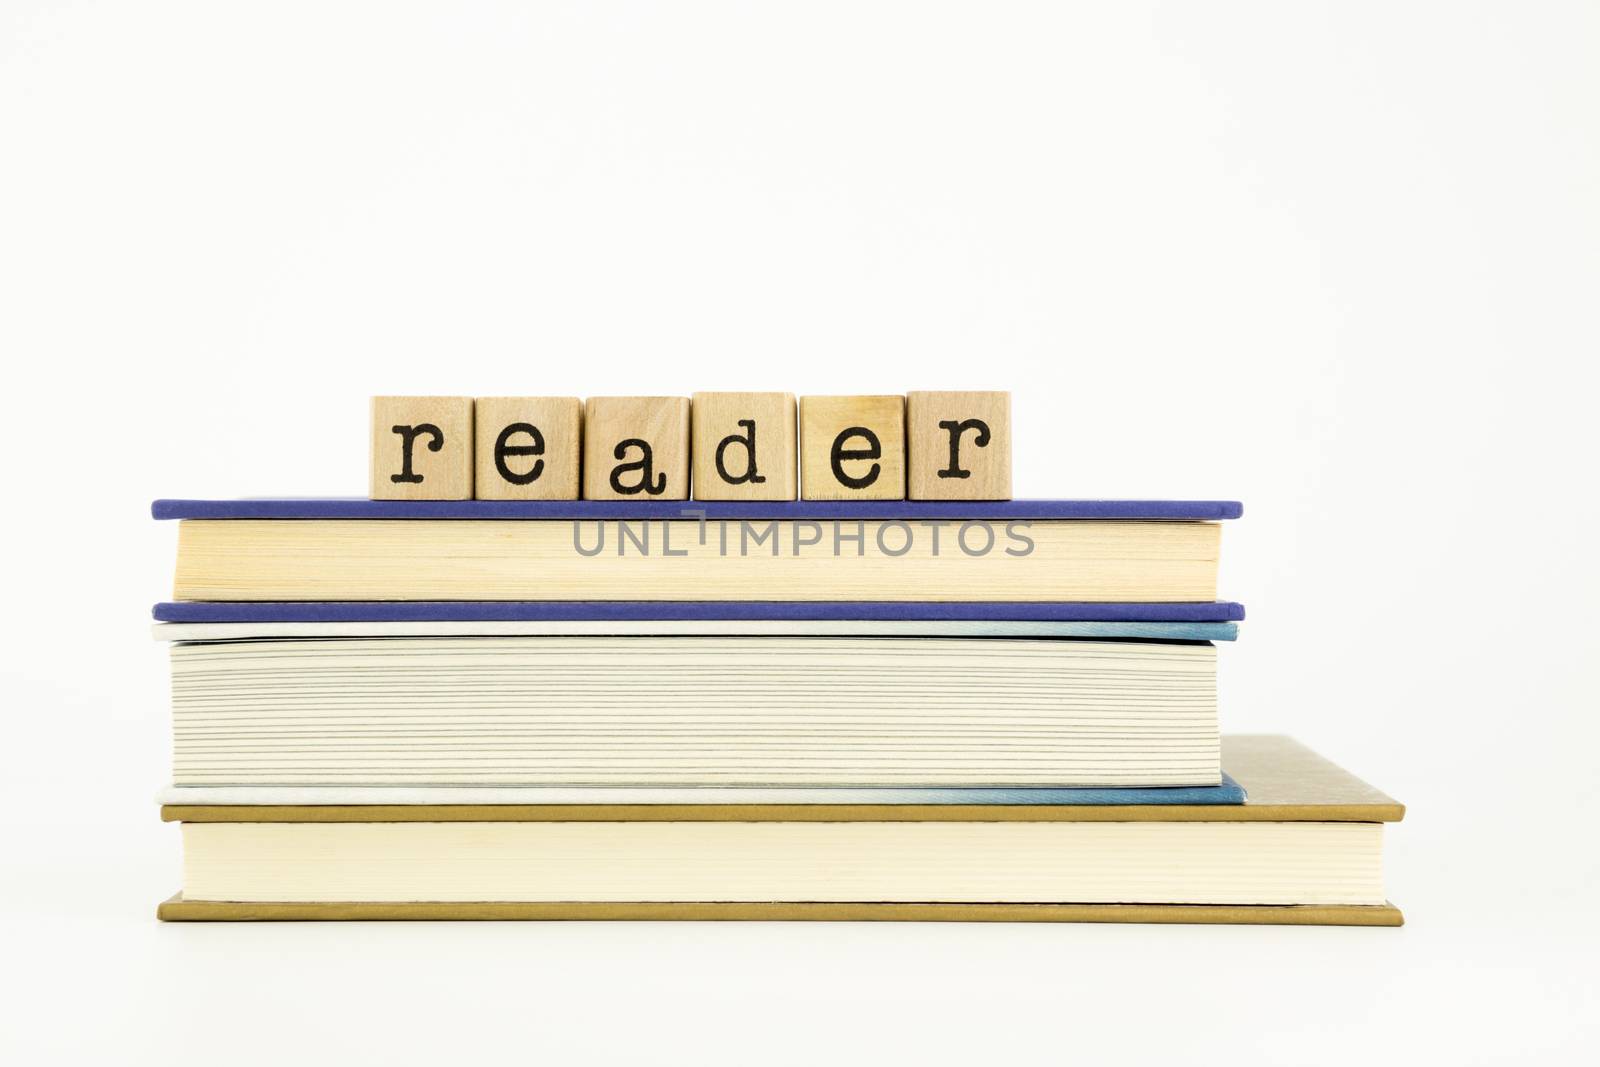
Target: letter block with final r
{"x": 743, "y": 446}
{"x": 959, "y": 446}
{"x": 852, "y": 448}
{"x": 636, "y": 448}
{"x": 421, "y": 448}
{"x": 529, "y": 447}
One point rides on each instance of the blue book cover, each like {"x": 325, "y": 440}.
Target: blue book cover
{"x": 1016, "y": 510}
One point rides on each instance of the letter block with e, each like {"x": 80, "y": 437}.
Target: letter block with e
{"x": 529, "y": 447}
{"x": 421, "y": 448}
{"x": 852, "y": 448}
{"x": 744, "y": 446}
{"x": 959, "y": 446}
{"x": 636, "y": 448}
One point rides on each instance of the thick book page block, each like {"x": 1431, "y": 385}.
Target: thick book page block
{"x": 663, "y": 710}
{"x": 852, "y": 448}
{"x": 469, "y": 559}
{"x": 421, "y": 448}
{"x": 636, "y": 448}
{"x": 1106, "y": 862}
{"x": 528, "y": 447}
{"x": 744, "y": 446}
{"x": 958, "y": 446}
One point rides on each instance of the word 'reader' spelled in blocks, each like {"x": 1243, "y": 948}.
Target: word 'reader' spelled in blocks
{"x": 743, "y": 446}
{"x": 723, "y": 446}
{"x": 852, "y": 448}
{"x": 958, "y": 446}
{"x": 636, "y": 448}
{"x": 422, "y": 448}
{"x": 528, "y": 447}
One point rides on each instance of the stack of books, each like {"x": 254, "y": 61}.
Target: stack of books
{"x": 790, "y": 710}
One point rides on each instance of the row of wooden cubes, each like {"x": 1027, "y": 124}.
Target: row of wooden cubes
{"x": 740, "y": 446}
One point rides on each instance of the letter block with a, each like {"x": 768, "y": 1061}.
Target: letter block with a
{"x": 529, "y": 447}
{"x": 636, "y": 448}
{"x": 744, "y": 446}
{"x": 852, "y": 448}
{"x": 421, "y": 448}
{"x": 959, "y": 446}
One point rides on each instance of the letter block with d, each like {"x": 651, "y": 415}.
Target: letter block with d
{"x": 636, "y": 448}
{"x": 421, "y": 448}
{"x": 529, "y": 447}
{"x": 744, "y": 446}
{"x": 959, "y": 446}
{"x": 852, "y": 448}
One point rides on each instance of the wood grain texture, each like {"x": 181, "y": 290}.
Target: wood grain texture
{"x": 559, "y": 422}
{"x": 979, "y": 425}
{"x": 659, "y": 422}
{"x": 177, "y": 909}
{"x": 824, "y": 418}
{"x": 728, "y": 422}
{"x": 439, "y": 431}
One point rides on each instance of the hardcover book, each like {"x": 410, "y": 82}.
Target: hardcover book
{"x": 1023, "y": 551}
{"x": 1304, "y": 847}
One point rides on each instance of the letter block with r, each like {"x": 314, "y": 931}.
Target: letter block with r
{"x": 959, "y": 446}
{"x": 422, "y": 448}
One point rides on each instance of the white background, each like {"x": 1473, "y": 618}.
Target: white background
{"x": 1337, "y": 260}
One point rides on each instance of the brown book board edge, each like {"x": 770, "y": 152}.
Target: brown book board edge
{"x": 176, "y": 909}
{"x": 781, "y": 813}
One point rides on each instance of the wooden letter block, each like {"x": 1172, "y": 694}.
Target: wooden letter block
{"x": 636, "y": 448}
{"x": 529, "y": 447}
{"x": 743, "y": 446}
{"x": 959, "y": 446}
{"x": 852, "y": 448}
{"x": 421, "y": 448}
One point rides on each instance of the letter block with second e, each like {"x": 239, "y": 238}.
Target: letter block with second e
{"x": 744, "y": 446}
{"x": 636, "y": 448}
{"x": 529, "y": 447}
{"x": 421, "y": 448}
{"x": 852, "y": 448}
{"x": 959, "y": 446}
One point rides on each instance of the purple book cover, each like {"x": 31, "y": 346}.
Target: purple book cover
{"x": 955, "y": 510}
{"x": 713, "y": 610}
